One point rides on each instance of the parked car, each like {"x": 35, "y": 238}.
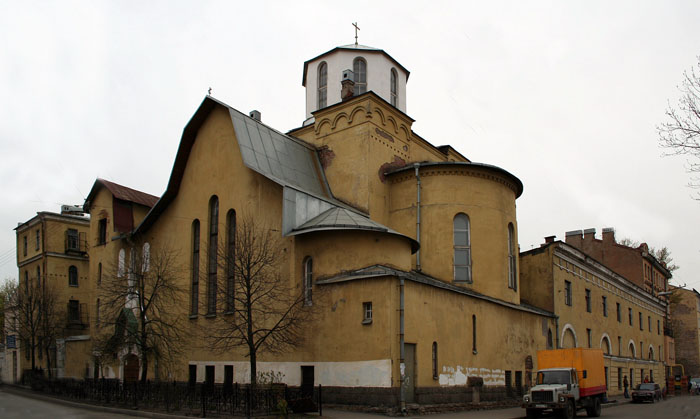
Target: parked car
{"x": 647, "y": 392}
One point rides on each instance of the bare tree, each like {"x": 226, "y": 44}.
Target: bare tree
{"x": 33, "y": 307}
{"x": 7, "y": 290}
{"x": 681, "y": 133}
{"x": 139, "y": 303}
{"x": 50, "y": 322}
{"x": 260, "y": 310}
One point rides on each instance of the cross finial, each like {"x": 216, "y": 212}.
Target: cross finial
{"x": 209, "y": 92}
{"x": 357, "y": 28}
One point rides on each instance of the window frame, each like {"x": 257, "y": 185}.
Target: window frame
{"x": 605, "y": 306}
{"x": 194, "y": 280}
{"x": 73, "y": 276}
{"x": 394, "y": 87}
{"x": 102, "y": 231}
{"x": 588, "y": 301}
{"x": 568, "y": 300}
{"x": 512, "y": 261}
{"x": 367, "y": 312}
{"x": 212, "y": 255}
{"x": 359, "y": 75}
{"x": 434, "y": 360}
{"x": 307, "y": 278}
{"x": 322, "y": 86}
{"x": 459, "y": 247}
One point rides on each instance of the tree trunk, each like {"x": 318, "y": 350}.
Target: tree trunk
{"x": 48, "y": 360}
{"x": 253, "y": 368}
{"x": 144, "y": 368}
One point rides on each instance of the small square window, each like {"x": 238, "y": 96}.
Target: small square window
{"x": 367, "y": 312}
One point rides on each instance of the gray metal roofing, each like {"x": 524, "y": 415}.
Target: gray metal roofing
{"x": 343, "y": 219}
{"x": 278, "y": 157}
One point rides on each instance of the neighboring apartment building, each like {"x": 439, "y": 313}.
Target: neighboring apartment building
{"x": 635, "y": 264}
{"x": 685, "y": 315}
{"x": 596, "y": 308}
{"x": 52, "y": 257}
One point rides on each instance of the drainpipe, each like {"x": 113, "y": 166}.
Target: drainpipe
{"x": 556, "y": 321}
{"x": 417, "y": 167}
{"x": 402, "y": 364}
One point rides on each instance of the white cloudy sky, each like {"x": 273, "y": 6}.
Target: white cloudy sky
{"x": 565, "y": 95}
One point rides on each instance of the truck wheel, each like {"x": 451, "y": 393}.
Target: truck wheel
{"x": 568, "y": 412}
{"x": 594, "y": 410}
{"x": 532, "y": 413}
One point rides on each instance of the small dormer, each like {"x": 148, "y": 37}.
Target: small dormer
{"x": 371, "y": 69}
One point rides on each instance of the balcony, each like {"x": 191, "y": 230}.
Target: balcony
{"x": 77, "y": 315}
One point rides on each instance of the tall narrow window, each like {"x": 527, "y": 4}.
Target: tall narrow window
{"x": 590, "y": 337}
{"x": 38, "y": 276}
{"x": 97, "y": 313}
{"x": 213, "y": 257}
{"x": 588, "y": 300}
{"x": 308, "y": 280}
{"x": 99, "y": 273}
{"x": 25, "y": 245}
{"x": 394, "y": 87}
{"x": 194, "y": 297}
{"x": 605, "y": 306}
{"x": 36, "y": 246}
{"x": 512, "y": 282}
{"x": 230, "y": 258}
{"x": 359, "y": 67}
{"x": 619, "y": 312}
{"x": 146, "y": 255}
{"x": 629, "y": 312}
{"x": 641, "y": 323}
{"x": 474, "y": 334}
{"x": 649, "y": 321}
{"x": 121, "y": 263}
{"x": 322, "y": 85}
{"x": 567, "y": 293}
{"x": 73, "y": 276}
{"x": 102, "y": 231}
{"x": 462, "y": 249}
{"x": 435, "y": 361}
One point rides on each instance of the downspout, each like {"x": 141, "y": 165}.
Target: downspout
{"x": 402, "y": 364}
{"x": 417, "y": 167}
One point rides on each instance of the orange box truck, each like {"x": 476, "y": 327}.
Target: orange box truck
{"x": 567, "y": 380}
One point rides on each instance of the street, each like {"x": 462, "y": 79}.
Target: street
{"x": 13, "y": 405}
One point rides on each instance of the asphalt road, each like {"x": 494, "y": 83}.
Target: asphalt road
{"x": 15, "y": 406}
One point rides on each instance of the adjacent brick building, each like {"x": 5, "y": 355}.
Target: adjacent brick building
{"x": 685, "y": 315}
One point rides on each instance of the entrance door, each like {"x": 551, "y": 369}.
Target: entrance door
{"x": 307, "y": 381}
{"x": 410, "y": 373}
{"x": 131, "y": 368}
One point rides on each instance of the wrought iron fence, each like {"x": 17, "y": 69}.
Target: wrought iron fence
{"x": 187, "y": 398}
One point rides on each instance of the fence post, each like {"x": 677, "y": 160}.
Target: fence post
{"x": 320, "y": 400}
{"x": 204, "y": 403}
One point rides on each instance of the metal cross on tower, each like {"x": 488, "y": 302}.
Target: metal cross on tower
{"x": 357, "y": 28}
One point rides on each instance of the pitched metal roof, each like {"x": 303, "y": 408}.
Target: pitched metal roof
{"x": 121, "y": 192}
{"x": 279, "y": 157}
{"x": 344, "y": 219}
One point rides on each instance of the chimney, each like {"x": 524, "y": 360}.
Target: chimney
{"x": 548, "y": 240}
{"x": 589, "y": 234}
{"x": 255, "y": 115}
{"x": 608, "y": 235}
{"x": 347, "y": 89}
{"x": 574, "y": 238}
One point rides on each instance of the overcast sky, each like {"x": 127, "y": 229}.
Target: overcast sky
{"x": 564, "y": 95}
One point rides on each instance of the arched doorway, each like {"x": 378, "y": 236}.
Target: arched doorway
{"x": 131, "y": 368}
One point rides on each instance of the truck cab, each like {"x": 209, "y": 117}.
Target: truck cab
{"x": 555, "y": 389}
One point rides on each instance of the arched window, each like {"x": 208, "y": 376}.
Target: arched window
{"x": 651, "y": 353}
{"x": 606, "y": 346}
{"x": 308, "y": 280}
{"x": 73, "y": 276}
{"x": 394, "y": 84}
{"x": 213, "y": 256}
{"x": 633, "y": 352}
{"x": 146, "y": 255}
{"x": 230, "y": 258}
{"x": 462, "y": 249}
{"x": 359, "y": 67}
{"x": 435, "y": 361}
{"x": 512, "y": 282}
{"x": 194, "y": 296}
{"x": 322, "y": 85}
{"x": 121, "y": 263}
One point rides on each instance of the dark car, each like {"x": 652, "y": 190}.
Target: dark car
{"x": 647, "y": 392}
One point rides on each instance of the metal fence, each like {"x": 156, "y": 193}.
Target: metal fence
{"x": 187, "y": 398}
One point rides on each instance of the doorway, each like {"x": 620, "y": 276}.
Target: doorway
{"x": 410, "y": 373}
